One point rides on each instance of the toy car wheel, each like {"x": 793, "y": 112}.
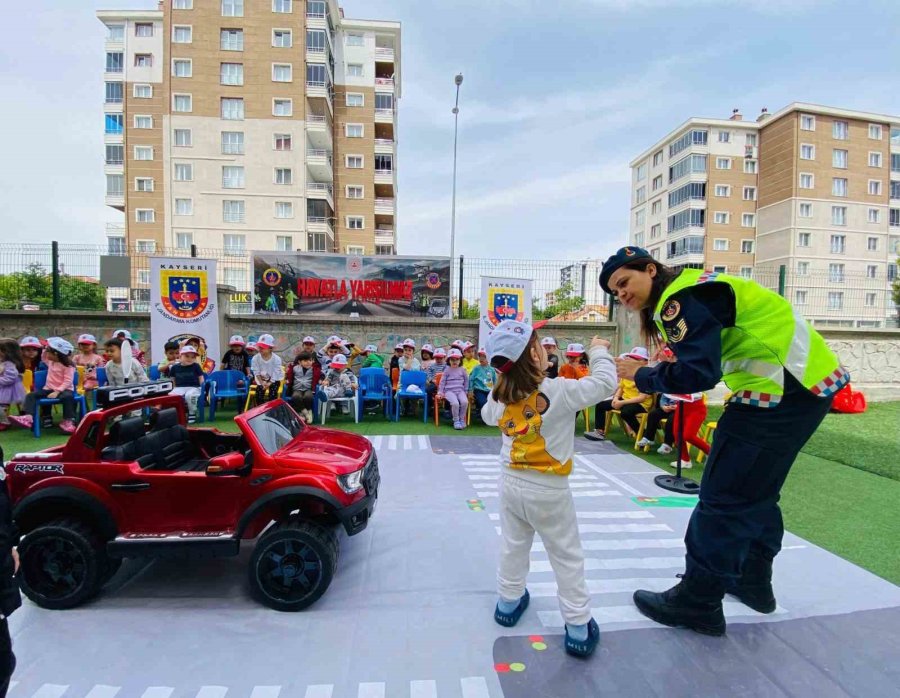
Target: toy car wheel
{"x": 62, "y": 564}
{"x": 293, "y": 564}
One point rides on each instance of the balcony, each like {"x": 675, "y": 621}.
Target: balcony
{"x": 320, "y": 190}
{"x": 384, "y": 176}
{"x": 384, "y": 236}
{"x": 318, "y": 130}
{"x": 116, "y": 199}
{"x": 384, "y": 206}
{"x": 317, "y": 224}
{"x": 320, "y": 164}
{"x": 317, "y": 89}
{"x": 315, "y": 19}
{"x": 384, "y": 145}
{"x": 383, "y": 53}
{"x": 384, "y": 116}
{"x": 384, "y": 84}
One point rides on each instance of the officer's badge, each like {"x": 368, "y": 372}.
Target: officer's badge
{"x": 676, "y": 334}
{"x": 670, "y": 310}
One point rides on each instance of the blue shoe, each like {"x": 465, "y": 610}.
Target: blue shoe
{"x": 584, "y": 649}
{"x": 508, "y": 620}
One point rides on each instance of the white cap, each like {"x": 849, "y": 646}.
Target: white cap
{"x": 60, "y": 345}
{"x": 440, "y": 352}
{"x": 409, "y": 342}
{"x": 236, "y": 339}
{"x": 87, "y": 339}
{"x": 508, "y": 340}
{"x": 370, "y": 348}
{"x": 398, "y": 346}
{"x": 467, "y": 346}
{"x": 639, "y": 353}
{"x": 309, "y": 340}
{"x": 482, "y": 351}
{"x": 125, "y": 332}
{"x": 265, "y": 340}
{"x": 429, "y": 348}
{"x": 30, "y": 341}
{"x": 251, "y": 345}
{"x": 458, "y": 343}
{"x": 334, "y": 339}
{"x": 548, "y": 342}
{"x": 454, "y": 354}
{"x": 575, "y": 349}
{"x": 339, "y": 360}
{"x": 188, "y": 349}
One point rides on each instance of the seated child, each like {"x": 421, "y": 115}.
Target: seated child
{"x": 371, "y": 358}
{"x": 188, "y": 377}
{"x": 303, "y": 376}
{"x": 628, "y": 400}
{"x": 88, "y": 358}
{"x": 550, "y": 347}
{"x": 172, "y": 350}
{"x": 339, "y": 382}
{"x": 469, "y": 362}
{"x": 60, "y": 385}
{"x": 268, "y": 371}
{"x": 236, "y": 358}
{"x": 455, "y": 388}
{"x": 409, "y": 362}
{"x": 114, "y": 374}
{"x": 574, "y": 368}
{"x": 437, "y": 368}
{"x": 481, "y": 381}
{"x": 136, "y": 351}
{"x": 663, "y": 411}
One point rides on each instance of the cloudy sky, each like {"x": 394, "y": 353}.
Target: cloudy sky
{"x": 558, "y": 96}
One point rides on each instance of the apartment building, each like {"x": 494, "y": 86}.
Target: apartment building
{"x": 806, "y": 200}
{"x": 251, "y": 124}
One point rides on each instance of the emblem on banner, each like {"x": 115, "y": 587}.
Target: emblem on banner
{"x": 354, "y": 264}
{"x": 506, "y": 304}
{"x": 271, "y": 277}
{"x": 433, "y": 280}
{"x": 184, "y": 295}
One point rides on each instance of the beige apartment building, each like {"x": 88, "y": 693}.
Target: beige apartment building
{"x": 806, "y": 199}
{"x": 251, "y": 124}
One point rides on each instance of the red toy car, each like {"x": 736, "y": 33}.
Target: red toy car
{"x": 122, "y": 488}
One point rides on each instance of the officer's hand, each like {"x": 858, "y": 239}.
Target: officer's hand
{"x": 15, "y": 557}
{"x": 626, "y": 368}
{"x": 597, "y": 342}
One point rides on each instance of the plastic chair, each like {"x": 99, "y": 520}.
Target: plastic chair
{"x": 251, "y": 393}
{"x": 395, "y": 379}
{"x": 408, "y": 379}
{"x": 324, "y": 401}
{"x": 374, "y": 385}
{"x": 28, "y": 380}
{"x": 436, "y": 407}
{"x": 80, "y": 382}
{"x": 222, "y": 385}
{"x": 100, "y": 375}
{"x": 153, "y": 372}
{"x": 40, "y": 380}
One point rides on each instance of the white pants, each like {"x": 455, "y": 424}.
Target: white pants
{"x": 526, "y": 507}
{"x": 190, "y": 395}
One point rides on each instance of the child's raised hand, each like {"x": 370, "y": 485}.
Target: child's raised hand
{"x": 598, "y": 342}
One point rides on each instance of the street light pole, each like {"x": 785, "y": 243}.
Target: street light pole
{"x": 458, "y": 80}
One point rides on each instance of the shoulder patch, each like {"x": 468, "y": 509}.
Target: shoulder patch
{"x": 676, "y": 334}
{"x": 670, "y": 310}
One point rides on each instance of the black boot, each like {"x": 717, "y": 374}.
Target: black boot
{"x": 691, "y": 604}
{"x": 754, "y": 588}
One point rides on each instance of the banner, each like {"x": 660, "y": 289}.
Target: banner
{"x": 183, "y": 306}
{"x": 310, "y": 284}
{"x": 503, "y": 299}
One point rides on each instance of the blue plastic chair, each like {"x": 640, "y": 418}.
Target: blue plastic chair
{"x": 40, "y": 380}
{"x": 374, "y": 385}
{"x": 407, "y": 379}
{"x": 153, "y": 372}
{"x": 222, "y": 385}
{"x": 100, "y": 374}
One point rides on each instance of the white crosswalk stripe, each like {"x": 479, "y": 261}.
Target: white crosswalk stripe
{"x": 572, "y": 485}
{"x": 400, "y": 442}
{"x": 371, "y": 690}
{"x": 623, "y": 544}
{"x": 630, "y": 614}
{"x": 422, "y": 689}
{"x": 266, "y": 692}
{"x": 482, "y": 470}
{"x": 50, "y": 690}
{"x": 103, "y": 692}
{"x": 614, "y": 514}
{"x": 598, "y": 493}
{"x": 539, "y": 590}
{"x": 623, "y": 528}
{"x": 158, "y": 692}
{"x": 212, "y": 692}
{"x": 624, "y": 563}
{"x": 319, "y": 691}
{"x": 474, "y": 687}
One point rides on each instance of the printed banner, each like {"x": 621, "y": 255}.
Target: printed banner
{"x": 183, "y": 306}
{"x": 503, "y": 299}
{"x": 310, "y": 284}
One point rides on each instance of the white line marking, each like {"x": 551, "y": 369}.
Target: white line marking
{"x": 494, "y": 517}
{"x": 474, "y": 687}
{"x": 266, "y": 692}
{"x": 622, "y": 544}
{"x": 212, "y": 692}
{"x": 407, "y": 443}
{"x": 13, "y": 684}
{"x": 498, "y": 530}
{"x": 641, "y": 514}
{"x": 622, "y": 528}
{"x": 793, "y": 547}
{"x": 50, "y": 690}
{"x": 483, "y": 470}
{"x": 573, "y": 485}
{"x": 319, "y": 691}
{"x": 480, "y": 456}
{"x": 423, "y": 443}
{"x": 622, "y": 563}
{"x": 392, "y": 442}
{"x": 422, "y": 689}
{"x": 482, "y": 477}
{"x": 630, "y": 614}
{"x": 600, "y": 471}
{"x": 103, "y": 692}
{"x": 607, "y": 586}
{"x": 598, "y": 493}
{"x": 376, "y": 442}
{"x": 641, "y": 472}
{"x": 487, "y": 494}
{"x": 371, "y": 690}
{"x": 158, "y": 692}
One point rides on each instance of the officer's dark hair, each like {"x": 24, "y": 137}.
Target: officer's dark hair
{"x": 664, "y": 276}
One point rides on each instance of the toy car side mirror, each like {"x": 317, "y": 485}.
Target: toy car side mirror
{"x": 228, "y": 464}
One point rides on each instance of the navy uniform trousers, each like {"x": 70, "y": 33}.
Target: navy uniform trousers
{"x": 753, "y": 449}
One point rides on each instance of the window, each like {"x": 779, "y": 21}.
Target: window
{"x": 355, "y": 70}
{"x": 723, "y": 163}
{"x": 838, "y": 244}
{"x": 355, "y": 40}
{"x": 720, "y": 269}
{"x": 233, "y": 211}
{"x": 182, "y": 4}
{"x": 874, "y": 159}
{"x": 872, "y": 244}
{"x": 693, "y": 190}
{"x": 656, "y": 207}
{"x": 806, "y": 211}
{"x": 317, "y": 75}
{"x": 750, "y": 166}
{"x": 839, "y": 186}
{"x": 807, "y": 122}
{"x": 655, "y": 231}
{"x": 839, "y": 158}
{"x": 749, "y": 193}
{"x": 354, "y": 191}
{"x": 750, "y": 139}
{"x": 284, "y": 243}
{"x": 383, "y": 163}
{"x": 641, "y": 173}
{"x": 115, "y": 185}
{"x": 232, "y": 8}
{"x": 640, "y": 196}
{"x": 114, "y": 62}
{"x": 182, "y": 103}
{"x": 693, "y": 244}
{"x": 799, "y": 297}
{"x": 747, "y": 272}
{"x": 355, "y": 99}
{"x": 840, "y": 130}
{"x": 891, "y": 272}
{"x": 871, "y": 271}
{"x": 875, "y": 132}
{"x": 183, "y": 137}
{"x": 895, "y": 162}
{"x": 282, "y": 107}
{"x": 284, "y": 175}
{"x": 835, "y": 300}
{"x": 116, "y": 32}
{"x": 231, "y": 39}
{"x": 182, "y": 68}
{"x": 142, "y": 121}
{"x": 874, "y": 187}
{"x": 746, "y": 246}
{"x": 356, "y": 249}
{"x": 806, "y": 180}
{"x": 233, "y": 108}
{"x": 720, "y": 245}
{"x": 354, "y": 130}
{"x": 182, "y": 35}
{"x": 803, "y": 239}
{"x": 115, "y": 154}
{"x": 184, "y": 207}
{"x": 283, "y": 141}
{"x": 721, "y": 217}
{"x": 894, "y": 217}
{"x": 874, "y": 215}
{"x": 639, "y": 217}
{"x": 233, "y": 244}
{"x": 284, "y": 7}
{"x": 184, "y": 172}
{"x": 839, "y": 215}
{"x": 143, "y": 60}
{"x": 657, "y": 158}
{"x": 284, "y": 209}
{"x": 315, "y": 41}
{"x": 870, "y": 300}
{"x": 895, "y": 190}
{"x": 231, "y": 73}
{"x": 144, "y": 215}
{"x": 115, "y": 92}
{"x": 183, "y": 241}
{"x": 143, "y": 152}
{"x": 282, "y": 38}
{"x": 143, "y": 29}
{"x": 143, "y": 91}
{"x": 691, "y": 163}
{"x": 385, "y": 101}
{"x": 316, "y": 242}
{"x": 354, "y": 162}
{"x": 724, "y": 136}
{"x": 355, "y": 222}
{"x": 748, "y": 220}
{"x": 807, "y": 151}
{"x": 690, "y": 138}
{"x": 657, "y": 182}
{"x": 144, "y": 276}
{"x": 692, "y": 217}
{"x": 836, "y": 273}
{"x": 802, "y": 268}
{"x": 232, "y": 177}
{"x": 639, "y": 239}
{"x": 282, "y": 72}
{"x": 723, "y": 190}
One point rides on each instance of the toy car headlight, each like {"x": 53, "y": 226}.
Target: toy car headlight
{"x": 352, "y": 482}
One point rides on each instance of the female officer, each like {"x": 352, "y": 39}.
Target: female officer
{"x": 783, "y": 377}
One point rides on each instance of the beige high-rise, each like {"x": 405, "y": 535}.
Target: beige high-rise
{"x": 252, "y": 124}
{"x": 812, "y": 189}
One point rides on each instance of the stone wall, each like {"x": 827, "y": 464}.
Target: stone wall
{"x": 873, "y": 358}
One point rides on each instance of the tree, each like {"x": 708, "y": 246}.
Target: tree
{"x": 564, "y": 301}
{"x": 35, "y": 285}
{"x": 470, "y": 311}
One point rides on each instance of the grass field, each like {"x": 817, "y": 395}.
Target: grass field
{"x": 843, "y": 492}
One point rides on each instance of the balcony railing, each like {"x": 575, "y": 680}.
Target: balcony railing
{"x": 384, "y": 233}
{"x": 385, "y": 173}
{"x": 388, "y": 203}
{"x": 384, "y": 141}
{"x": 113, "y": 100}
{"x": 114, "y": 69}
{"x": 313, "y": 14}
{"x": 384, "y": 81}
{"x": 315, "y": 49}
{"x": 115, "y": 161}
{"x": 317, "y": 187}
{"x": 384, "y": 112}
{"x": 315, "y": 118}
{"x": 319, "y": 220}
{"x": 382, "y": 52}
{"x": 319, "y": 154}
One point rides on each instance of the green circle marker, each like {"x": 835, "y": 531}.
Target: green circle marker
{"x": 539, "y": 646}
{"x": 517, "y": 666}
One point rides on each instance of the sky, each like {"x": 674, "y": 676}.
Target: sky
{"x": 558, "y": 96}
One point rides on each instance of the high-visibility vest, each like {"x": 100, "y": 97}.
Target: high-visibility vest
{"x": 769, "y": 336}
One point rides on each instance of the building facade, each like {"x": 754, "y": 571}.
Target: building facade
{"x": 806, "y": 200}
{"x": 251, "y": 124}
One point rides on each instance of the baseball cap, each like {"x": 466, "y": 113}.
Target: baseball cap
{"x": 623, "y": 256}
{"x": 482, "y": 351}
{"x": 429, "y": 348}
{"x": 454, "y": 354}
{"x": 125, "y": 332}
{"x": 548, "y": 342}
{"x": 188, "y": 349}
{"x": 370, "y": 348}
{"x": 236, "y": 339}
{"x": 334, "y": 339}
{"x": 339, "y": 360}
{"x": 409, "y": 342}
{"x": 639, "y": 353}
{"x": 398, "y": 347}
{"x": 575, "y": 349}
{"x": 507, "y": 341}
{"x": 30, "y": 341}
{"x": 458, "y": 344}
{"x": 252, "y": 345}
{"x": 309, "y": 340}
{"x": 265, "y": 340}
{"x": 60, "y": 345}
{"x": 86, "y": 339}
{"x": 440, "y": 352}
{"x": 467, "y": 346}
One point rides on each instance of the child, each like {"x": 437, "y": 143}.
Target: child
{"x": 536, "y": 416}
{"x": 550, "y": 347}
{"x": 60, "y": 385}
{"x": 12, "y": 392}
{"x": 409, "y": 362}
{"x": 236, "y": 358}
{"x": 395, "y": 359}
{"x": 694, "y": 411}
{"x": 427, "y": 356}
{"x": 663, "y": 411}
{"x": 172, "y": 349}
{"x": 188, "y": 377}
{"x": 135, "y": 349}
{"x": 302, "y": 378}
{"x": 481, "y": 380}
{"x": 339, "y": 382}
{"x": 455, "y": 388}
{"x": 438, "y": 367}
{"x": 469, "y": 361}
{"x": 573, "y": 368}
{"x": 627, "y": 399}
{"x": 88, "y": 358}
{"x": 252, "y": 350}
{"x": 31, "y": 355}
{"x": 309, "y": 345}
{"x": 114, "y": 375}
{"x": 268, "y": 370}
{"x": 371, "y": 358}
